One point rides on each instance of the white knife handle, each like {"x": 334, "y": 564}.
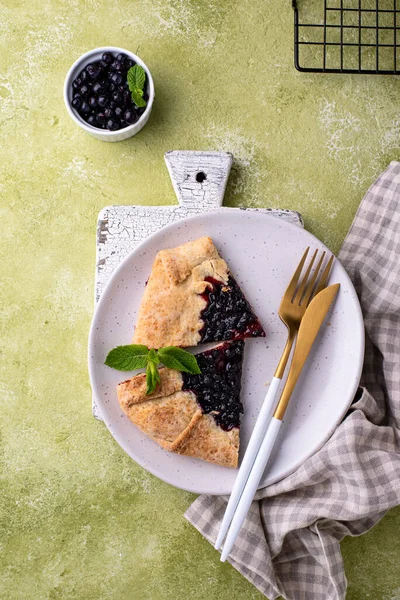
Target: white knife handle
{"x": 259, "y": 431}
{"x": 251, "y": 486}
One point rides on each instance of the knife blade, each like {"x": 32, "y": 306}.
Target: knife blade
{"x": 310, "y": 325}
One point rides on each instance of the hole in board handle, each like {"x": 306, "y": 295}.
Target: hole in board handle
{"x": 200, "y": 177}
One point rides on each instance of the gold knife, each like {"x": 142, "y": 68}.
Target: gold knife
{"x": 308, "y": 331}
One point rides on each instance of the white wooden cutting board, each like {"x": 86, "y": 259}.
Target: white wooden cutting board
{"x": 199, "y": 180}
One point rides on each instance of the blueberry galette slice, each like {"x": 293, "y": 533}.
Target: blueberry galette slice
{"x": 194, "y": 415}
{"x": 191, "y": 297}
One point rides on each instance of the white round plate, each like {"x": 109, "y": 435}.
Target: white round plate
{"x": 262, "y": 253}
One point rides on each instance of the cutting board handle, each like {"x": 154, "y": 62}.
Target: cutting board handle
{"x": 199, "y": 178}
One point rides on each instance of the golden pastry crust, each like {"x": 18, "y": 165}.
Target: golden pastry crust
{"x": 170, "y": 311}
{"x": 173, "y": 419}
{"x": 133, "y": 391}
{"x": 209, "y": 442}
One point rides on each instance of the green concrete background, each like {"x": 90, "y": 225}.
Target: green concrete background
{"x": 79, "y": 519}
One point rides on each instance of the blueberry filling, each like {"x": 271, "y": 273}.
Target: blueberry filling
{"x": 217, "y": 389}
{"x": 101, "y": 87}
{"x": 227, "y": 315}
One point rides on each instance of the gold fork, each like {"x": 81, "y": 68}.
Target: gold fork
{"x": 297, "y": 297}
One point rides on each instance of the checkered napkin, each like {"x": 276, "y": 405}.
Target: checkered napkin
{"x": 289, "y": 543}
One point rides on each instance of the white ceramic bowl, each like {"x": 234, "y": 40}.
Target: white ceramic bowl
{"x": 103, "y": 134}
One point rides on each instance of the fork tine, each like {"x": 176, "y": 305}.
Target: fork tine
{"x": 303, "y": 283}
{"x": 325, "y": 276}
{"x": 310, "y": 287}
{"x": 291, "y": 288}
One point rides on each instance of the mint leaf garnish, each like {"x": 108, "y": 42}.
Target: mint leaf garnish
{"x": 128, "y": 358}
{"x": 137, "y": 356}
{"x": 137, "y": 99}
{"x": 136, "y": 78}
{"x": 152, "y": 356}
{"x": 178, "y": 359}
{"x": 152, "y": 377}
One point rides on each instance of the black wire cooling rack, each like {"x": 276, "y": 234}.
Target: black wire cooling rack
{"x": 347, "y": 36}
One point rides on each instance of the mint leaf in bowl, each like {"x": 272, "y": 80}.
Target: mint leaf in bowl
{"x": 136, "y": 78}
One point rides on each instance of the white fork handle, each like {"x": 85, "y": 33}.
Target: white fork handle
{"x": 259, "y": 431}
{"x": 251, "y": 486}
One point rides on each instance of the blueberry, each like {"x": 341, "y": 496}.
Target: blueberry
{"x": 117, "y": 65}
{"x": 77, "y": 102}
{"x": 242, "y": 322}
{"x": 118, "y": 112}
{"x": 206, "y": 397}
{"x": 116, "y": 78}
{"x": 230, "y": 321}
{"x": 220, "y": 364}
{"x": 97, "y": 88}
{"x": 101, "y": 118}
{"x": 84, "y": 76}
{"x": 107, "y": 57}
{"x": 84, "y": 90}
{"x": 77, "y": 83}
{"x": 85, "y": 108}
{"x": 108, "y": 112}
{"x": 224, "y": 399}
{"x": 112, "y": 125}
{"x": 230, "y": 352}
{"x": 117, "y": 98}
{"x": 92, "y": 120}
{"x": 111, "y": 87}
{"x": 92, "y": 102}
{"x": 129, "y": 116}
{"x": 102, "y": 101}
{"x": 112, "y": 104}
{"x": 93, "y": 70}
{"x": 122, "y": 57}
{"x": 127, "y": 98}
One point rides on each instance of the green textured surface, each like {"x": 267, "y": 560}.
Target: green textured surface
{"x": 79, "y": 519}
